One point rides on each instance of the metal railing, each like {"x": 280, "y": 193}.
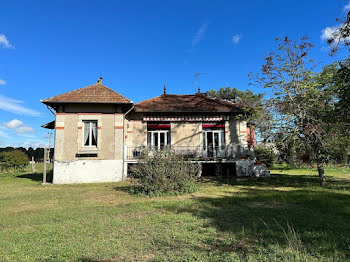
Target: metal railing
{"x": 197, "y": 152}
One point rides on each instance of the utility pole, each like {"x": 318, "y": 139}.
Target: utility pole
{"x": 49, "y": 147}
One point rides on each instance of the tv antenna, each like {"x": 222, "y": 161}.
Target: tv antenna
{"x": 196, "y": 86}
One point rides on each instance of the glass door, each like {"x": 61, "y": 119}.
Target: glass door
{"x": 209, "y": 145}
{"x": 158, "y": 139}
{"x": 213, "y": 142}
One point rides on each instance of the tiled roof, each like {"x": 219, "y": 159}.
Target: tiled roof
{"x": 96, "y": 93}
{"x": 186, "y": 103}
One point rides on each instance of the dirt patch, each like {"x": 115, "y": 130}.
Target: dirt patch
{"x": 102, "y": 198}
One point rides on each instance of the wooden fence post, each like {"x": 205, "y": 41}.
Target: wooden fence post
{"x": 33, "y": 167}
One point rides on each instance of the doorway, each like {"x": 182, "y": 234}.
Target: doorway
{"x": 213, "y": 142}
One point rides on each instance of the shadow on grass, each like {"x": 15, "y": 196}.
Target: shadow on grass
{"x": 38, "y": 177}
{"x": 263, "y": 217}
{"x": 280, "y": 180}
{"x": 123, "y": 188}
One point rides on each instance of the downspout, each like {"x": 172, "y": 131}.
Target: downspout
{"x": 127, "y": 112}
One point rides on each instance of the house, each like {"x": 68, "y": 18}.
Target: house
{"x": 99, "y": 133}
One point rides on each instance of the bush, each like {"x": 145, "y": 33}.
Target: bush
{"x": 265, "y": 155}
{"x": 163, "y": 172}
{"x": 13, "y": 159}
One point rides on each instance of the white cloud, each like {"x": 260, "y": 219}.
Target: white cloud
{"x": 24, "y": 130}
{"x": 236, "y": 39}
{"x": 199, "y": 34}
{"x": 2, "y": 82}
{"x": 4, "y": 42}
{"x": 328, "y": 32}
{"x": 15, "y": 123}
{"x": 16, "y": 107}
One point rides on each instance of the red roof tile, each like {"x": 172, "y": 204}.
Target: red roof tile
{"x": 96, "y": 93}
{"x": 186, "y": 103}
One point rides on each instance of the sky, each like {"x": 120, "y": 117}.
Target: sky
{"x": 52, "y": 47}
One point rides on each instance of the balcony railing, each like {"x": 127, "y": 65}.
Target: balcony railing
{"x": 195, "y": 152}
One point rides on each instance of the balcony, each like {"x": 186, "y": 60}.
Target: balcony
{"x": 229, "y": 152}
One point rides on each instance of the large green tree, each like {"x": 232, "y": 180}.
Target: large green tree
{"x": 342, "y": 78}
{"x": 303, "y": 103}
{"x": 339, "y": 38}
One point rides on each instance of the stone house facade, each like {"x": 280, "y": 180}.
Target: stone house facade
{"x": 99, "y": 133}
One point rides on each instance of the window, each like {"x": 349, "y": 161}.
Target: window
{"x": 158, "y": 139}
{"x": 90, "y": 133}
{"x": 158, "y": 135}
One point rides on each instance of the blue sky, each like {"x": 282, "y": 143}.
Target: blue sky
{"x": 51, "y": 47}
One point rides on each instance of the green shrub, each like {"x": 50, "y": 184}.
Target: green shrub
{"x": 14, "y": 159}
{"x": 264, "y": 155}
{"x": 163, "y": 172}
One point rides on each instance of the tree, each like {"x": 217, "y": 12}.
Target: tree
{"x": 303, "y": 102}
{"x": 249, "y": 100}
{"x": 339, "y": 35}
{"x": 342, "y": 78}
{"x": 39, "y": 153}
{"x": 13, "y": 159}
{"x": 30, "y": 152}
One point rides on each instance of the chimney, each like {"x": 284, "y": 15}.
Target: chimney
{"x": 99, "y": 80}
{"x": 164, "y": 89}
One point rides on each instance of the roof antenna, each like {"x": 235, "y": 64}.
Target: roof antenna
{"x": 99, "y": 80}
{"x": 164, "y": 89}
{"x": 196, "y": 75}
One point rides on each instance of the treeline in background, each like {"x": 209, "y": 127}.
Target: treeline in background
{"x": 37, "y": 153}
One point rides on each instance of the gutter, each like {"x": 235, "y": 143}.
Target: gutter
{"x": 127, "y": 112}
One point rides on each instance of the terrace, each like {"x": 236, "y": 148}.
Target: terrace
{"x": 199, "y": 153}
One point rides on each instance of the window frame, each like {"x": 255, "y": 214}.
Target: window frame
{"x": 90, "y": 134}
{"x": 167, "y": 139}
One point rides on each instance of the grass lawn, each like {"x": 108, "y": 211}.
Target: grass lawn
{"x": 287, "y": 217}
